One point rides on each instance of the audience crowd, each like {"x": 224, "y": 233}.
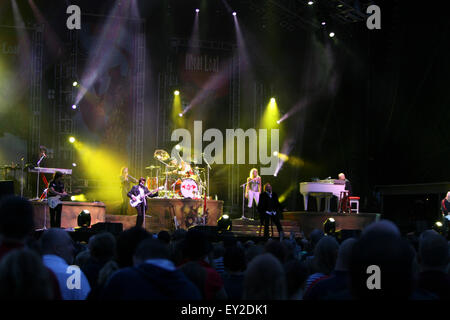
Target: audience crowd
{"x": 192, "y": 265}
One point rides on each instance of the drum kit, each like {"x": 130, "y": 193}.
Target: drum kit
{"x": 180, "y": 179}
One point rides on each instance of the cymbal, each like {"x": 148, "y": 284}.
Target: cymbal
{"x": 152, "y": 167}
{"x": 161, "y": 155}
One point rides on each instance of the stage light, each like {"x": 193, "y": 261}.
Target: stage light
{"x": 72, "y": 139}
{"x": 180, "y": 114}
{"x": 278, "y": 121}
{"x": 310, "y": 3}
{"x": 84, "y": 219}
{"x": 275, "y": 153}
{"x": 331, "y": 34}
{"x": 74, "y": 164}
{"x": 329, "y": 226}
{"x": 234, "y": 13}
{"x": 72, "y": 198}
{"x": 75, "y": 83}
{"x": 224, "y": 223}
{"x": 323, "y": 23}
{"x": 176, "y": 92}
{"x": 74, "y": 106}
{"x": 197, "y": 10}
{"x": 271, "y": 115}
{"x": 178, "y": 147}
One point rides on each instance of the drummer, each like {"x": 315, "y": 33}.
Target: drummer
{"x": 183, "y": 168}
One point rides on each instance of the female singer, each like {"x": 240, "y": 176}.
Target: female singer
{"x": 125, "y": 185}
{"x": 253, "y": 187}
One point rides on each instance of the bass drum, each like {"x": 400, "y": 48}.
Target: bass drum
{"x": 189, "y": 188}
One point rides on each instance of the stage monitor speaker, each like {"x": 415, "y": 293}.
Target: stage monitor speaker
{"x": 6, "y": 188}
{"x": 113, "y": 227}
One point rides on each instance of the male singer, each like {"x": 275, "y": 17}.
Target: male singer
{"x": 269, "y": 208}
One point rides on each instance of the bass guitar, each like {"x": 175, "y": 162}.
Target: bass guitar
{"x": 139, "y": 199}
{"x": 54, "y": 201}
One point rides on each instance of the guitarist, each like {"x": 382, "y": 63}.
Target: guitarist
{"x": 141, "y": 191}
{"x": 56, "y": 188}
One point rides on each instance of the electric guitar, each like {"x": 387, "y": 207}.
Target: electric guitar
{"x": 140, "y": 199}
{"x": 54, "y": 201}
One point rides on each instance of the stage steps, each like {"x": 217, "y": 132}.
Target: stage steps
{"x": 244, "y": 227}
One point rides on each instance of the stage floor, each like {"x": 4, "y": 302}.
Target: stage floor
{"x": 70, "y": 212}
{"x": 161, "y": 214}
{"x": 308, "y": 221}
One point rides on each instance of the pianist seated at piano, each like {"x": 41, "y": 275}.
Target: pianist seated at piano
{"x": 348, "y": 185}
{"x": 325, "y": 189}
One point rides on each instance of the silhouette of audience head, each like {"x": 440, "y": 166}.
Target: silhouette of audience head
{"x": 344, "y": 254}
{"x": 277, "y": 249}
{"x": 58, "y": 242}
{"x": 196, "y": 274}
{"x": 127, "y": 242}
{"x": 102, "y": 246}
{"x": 196, "y": 245}
{"x": 381, "y": 245}
{"x": 314, "y": 237}
{"x": 234, "y": 259}
{"x": 325, "y": 255}
{"x": 16, "y": 218}
{"x": 296, "y": 275}
{"x": 433, "y": 251}
{"x": 265, "y": 279}
{"x": 23, "y": 276}
{"x": 164, "y": 236}
{"x": 150, "y": 249}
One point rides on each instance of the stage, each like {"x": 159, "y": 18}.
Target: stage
{"x": 308, "y": 221}
{"x": 160, "y": 215}
{"x": 162, "y": 212}
{"x": 70, "y": 212}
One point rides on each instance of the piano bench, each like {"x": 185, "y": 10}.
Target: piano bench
{"x": 354, "y": 200}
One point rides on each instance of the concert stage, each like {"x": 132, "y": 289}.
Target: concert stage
{"x": 308, "y": 221}
{"x": 161, "y": 213}
{"x": 70, "y": 212}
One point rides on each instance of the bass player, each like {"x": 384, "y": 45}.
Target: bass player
{"x": 139, "y": 194}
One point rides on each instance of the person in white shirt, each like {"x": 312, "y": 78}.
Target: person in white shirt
{"x": 58, "y": 254}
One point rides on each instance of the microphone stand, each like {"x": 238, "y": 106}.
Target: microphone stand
{"x": 165, "y": 182}
{"x": 38, "y": 174}
{"x": 21, "y": 179}
{"x": 207, "y": 187}
{"x": 207, "y": 175}
{"x": 243, "y": 200}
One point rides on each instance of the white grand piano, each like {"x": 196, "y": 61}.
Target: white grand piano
{"x": 322, "y": 189}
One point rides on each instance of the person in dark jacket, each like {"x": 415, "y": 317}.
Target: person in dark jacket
{"x": 140, "y": 192}
{"x": 153, "y": 277}
{"x": 270, "y": 208}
